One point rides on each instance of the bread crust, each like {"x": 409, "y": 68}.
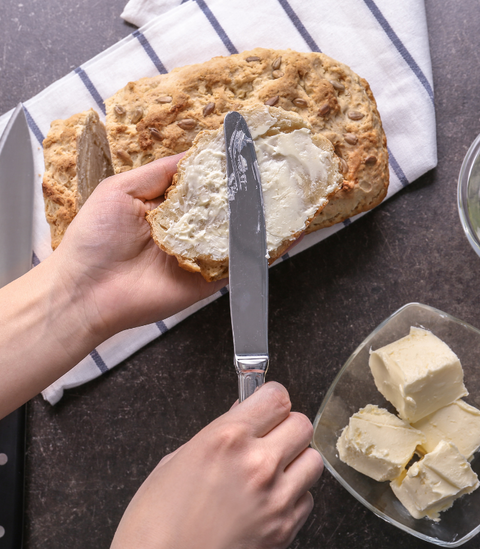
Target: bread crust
{"x": 160, "y": 116}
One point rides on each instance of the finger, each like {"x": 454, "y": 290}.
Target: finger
{"x": 303, "y": 472}
{"x": 150, "y": 181}
{"x": 263, "y": 410}
{"x": 290, "y": 438}
{"x": 303, "y": 508}
{"x": 296, "y": 516}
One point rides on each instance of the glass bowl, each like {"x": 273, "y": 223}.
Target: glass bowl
{"x": 354, "y": 388}
{"x": 468, "y": 195}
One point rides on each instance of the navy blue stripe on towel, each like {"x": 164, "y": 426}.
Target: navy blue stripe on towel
{"x": 299, "y": 25}
{"x": 400, "y": 46}
{"x": 91, "y": 88}
{"x": 33, "y": 126}
{"x": 216, "y": 25}
{"x": 99, "y": 361}
{"x": 150, "y": 52}
{"x": 35, "y": 260}
{"x": 397, "y": 169}
{"x": 162, "y": 326}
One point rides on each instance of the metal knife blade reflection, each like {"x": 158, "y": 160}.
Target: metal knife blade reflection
{"x": 16, "y": 213}
{"x": 248, "y": 260}
{"x": 16, "y": 198}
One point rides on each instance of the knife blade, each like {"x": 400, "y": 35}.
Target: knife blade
{"x": 248, "y": 258}
{"x": 16, "y": 213}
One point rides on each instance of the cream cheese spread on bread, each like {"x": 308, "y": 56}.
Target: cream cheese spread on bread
{"x": 299, "y": 172}
{"x": 202, "y": 223}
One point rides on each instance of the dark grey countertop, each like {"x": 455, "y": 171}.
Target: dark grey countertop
{"x": 88, "y": 455}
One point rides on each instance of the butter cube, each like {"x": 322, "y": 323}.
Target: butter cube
{"x": 378, "y": 443}
{"x": 418, "y": 374}
{"x": 458, "y": 423}
{"x": 432, "y": 484}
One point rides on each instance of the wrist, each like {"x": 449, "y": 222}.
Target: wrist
{"x": 73, "y": 295}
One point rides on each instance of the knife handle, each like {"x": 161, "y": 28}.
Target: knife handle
{"x": 251, "y": 370}
{"x": 12, "y": 465}
{"x": 248, "y": 382}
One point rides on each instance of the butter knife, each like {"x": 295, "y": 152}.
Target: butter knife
{"x": 16, "y": 212}
{"x": 248, "y": 259}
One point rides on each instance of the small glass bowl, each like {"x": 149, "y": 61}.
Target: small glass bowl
{"x": 354, "y": 388}
{"x": 468, "y": 195}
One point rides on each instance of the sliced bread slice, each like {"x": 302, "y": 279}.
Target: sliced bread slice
{"x": 299, "y": 172}
{"x": 77, "y": 158}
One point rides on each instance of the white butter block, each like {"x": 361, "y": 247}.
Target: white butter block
{"x": 458, "y": 423}
{"x": 432, "y": 484}
{"x": 418, "y": 374}
{"x": 378, "y": 443}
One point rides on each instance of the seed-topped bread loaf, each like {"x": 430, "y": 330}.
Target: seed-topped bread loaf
{"x": 299, "y": 172}
{"x": 77, "y": 158}
{"x": 160, "y": 116}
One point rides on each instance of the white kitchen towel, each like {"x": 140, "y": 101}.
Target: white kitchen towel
{"x": 385, "y": 42}
{"x": 141, "y": 12}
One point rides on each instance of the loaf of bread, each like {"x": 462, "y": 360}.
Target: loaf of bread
{"x": 77, "y": 158}
{"x": 299, "y": 172}
{"x": 160, "y": 116}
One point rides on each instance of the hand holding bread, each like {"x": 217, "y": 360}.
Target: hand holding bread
{"x": 109, "y": 249}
